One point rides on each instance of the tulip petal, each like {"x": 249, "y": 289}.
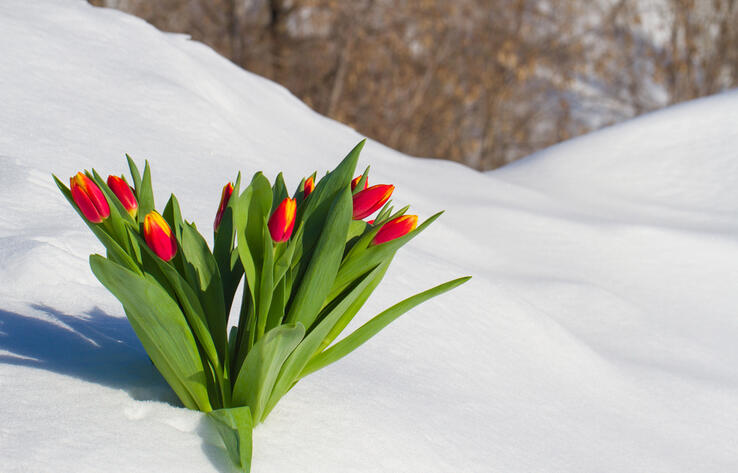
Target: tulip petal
{"x": 159, "y": 236}
{"x": 89, "y": 198}
{"x": 368, "y": 201}
{"x": 395, "y": 228}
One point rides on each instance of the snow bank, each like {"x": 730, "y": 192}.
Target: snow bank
{"x": 598, "y": 334}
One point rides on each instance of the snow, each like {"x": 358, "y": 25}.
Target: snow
{"x": 597, "y": 335}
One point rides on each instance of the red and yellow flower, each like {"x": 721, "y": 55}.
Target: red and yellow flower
{"x": 159, "y": 236}
{"x": 395, "y": 228}
{"x": 89, "y": 198}
{"x": 123, "y": 192}
{"x": 225, "y": 197}
{"x": 282, "y": 221}
{"x": 370, "y": 200}
{"x": 309, "y": 187}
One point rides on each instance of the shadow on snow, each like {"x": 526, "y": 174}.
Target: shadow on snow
{"x": 98, "y": 348}
{"x": 94, "y": 347}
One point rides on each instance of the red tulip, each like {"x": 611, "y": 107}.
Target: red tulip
{"x": 309, "y": 186}
{"x": 356, "y": 180}
{"x": 225, "y": 196}
{"x": 89, "y": 198}
{"x": 123, "y": 192}
{"x": 282, "y": 221}
{"x": 159, "y": 236}
{"x": 395, "y": 228}
{"x": 370, "y": 200}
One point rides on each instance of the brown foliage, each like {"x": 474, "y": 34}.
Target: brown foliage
{"x": 482, "y": 82}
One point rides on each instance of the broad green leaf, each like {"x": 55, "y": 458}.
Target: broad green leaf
{"x": 251, "y": 215}
{"x": 193, "y": 311}
{"x": 245, "y": 334}
{"x": 256, "y": 380}
{"x": 315, "y": 210}
{"x": 173, "y": 216}
{"x": 356, "y": 228}
{"x": 324, "y": 263}
{"x": 296, "y": 362}
{"x": 235, "y": 426}
{"x": 202, "y": 273}
{"x": 244, "y": 252}
{"x": 373, "y": 326}
{"x": 266, "y": 285}
{"x": 162, "y": 329}
{"x": 258, "y": 214}
{"x": 276, "y": 309}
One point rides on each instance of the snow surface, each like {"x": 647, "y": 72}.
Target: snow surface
{"x": 598, "y": 334}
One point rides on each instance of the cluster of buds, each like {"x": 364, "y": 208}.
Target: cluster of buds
{"x": 369, "y": 200}
{"x": 158, "y": 235}
{"x": 365, "y": 202}
{"x": 92, "y": 203}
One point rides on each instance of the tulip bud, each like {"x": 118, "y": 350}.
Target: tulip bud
{"x": 282, "y": 220}
{"x": 89, "y": 198}
{"x": 395, "y": 228}
{"x": 159, "y": 236}
{"x": 225, "y": 196}
{"x": 309, "y": 187}
{"x": 356, "y": 180}
{"x": 370, "y": 200}
{"x": 123, "y": 192}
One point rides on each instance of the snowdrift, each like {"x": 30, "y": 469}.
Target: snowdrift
{"x": 598, "y": 334}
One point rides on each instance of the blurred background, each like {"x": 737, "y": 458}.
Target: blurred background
{"x": 482, "y": 82}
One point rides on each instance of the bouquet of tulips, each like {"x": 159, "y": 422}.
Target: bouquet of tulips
{"x": 309, "y": 261}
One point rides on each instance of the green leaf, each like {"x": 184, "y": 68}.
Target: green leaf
{"x": 293, "y": 366}
{"x": 358, "y": 259}
{"x": 314, "y": 212}
{"x": 145, "y": 194}
{"x": 135, "y": 175}
{"x": 235, "y": 426}
{"x": 162, "y": 329}
{"x": 324, "y": 263}
{"x": 229, "y": 265}
{"x": 261, "y": 367}
{"x": 266, "y": 286}
{"x": 203, "y": 274}
{"x": 372, "y": 327}
{"x": 360, "y": 185}
{"x": 193, "y": 311}
{"x": 284, "y": 255}
{"x": 276, "y": 309}
{"x": 251, "y": 216}
{"x": 279, "y": 191}
{"x": 349, "y": 314}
